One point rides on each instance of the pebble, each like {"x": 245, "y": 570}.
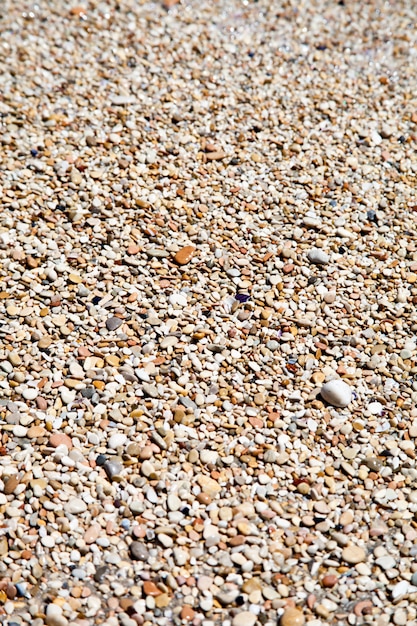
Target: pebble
{"x": 113, "y": 323}
{"x": 245, "y": 618}
{"x": 292, "y": 617}
{"x": 75, "y": 506}
{"x": 353, "y": 554}
{"x": 184, "y": 256}
{"x": 318, "y": 257}
{"x": 139, "y": 551}
{"x": 117, "y": 440}
{"x": 337, "y": 393}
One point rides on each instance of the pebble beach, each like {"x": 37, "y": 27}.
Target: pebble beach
{"x": 208, "y": 327}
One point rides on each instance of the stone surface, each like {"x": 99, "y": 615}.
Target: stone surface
{"x": 337, "y": 393}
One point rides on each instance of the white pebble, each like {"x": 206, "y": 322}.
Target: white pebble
{"x": 117, "y": 440}
{"x": 337, "y": 393}
{"x": 318, "y": 256}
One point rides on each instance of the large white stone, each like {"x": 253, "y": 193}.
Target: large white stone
{"x": 337, "y": 393}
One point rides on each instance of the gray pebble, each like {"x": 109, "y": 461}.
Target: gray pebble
{"x": 113, "y": 323}
{"x": 139, "y": 551}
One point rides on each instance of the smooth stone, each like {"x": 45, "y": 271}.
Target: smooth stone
{"x": 139, "y": 551}
{"x": 58, "y": 439}
{"x": 227, "y": 596}
{"x": 113, "y": 469}
{"x": 209, "y": 456}
{"x": 67, "y": 395}
{"x": 292, "y": 617}
{"x": 272, "y": 345}
{"x": 10, "y": 485}
{"x": 353, "y": 555}
{"x": 150, "y": 390}
{"x": 386, "y": 562}
{"x": 318, "y": 257}
{"x": 401, "y": 589}
{"x": 75, "y": 505}
{"x": 337, "y": 393}
{"x": 30, "y": 393}
{"x": 113, "y": 323}
{"x": 184, "y": 256}
{"x": 245, "y": 618}
{"x": 116, "y": 441}
{"x": 173, "y": 502}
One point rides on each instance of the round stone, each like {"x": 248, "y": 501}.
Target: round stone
{"x": 337, "y": 393}
{"x": 245, "y": 618}
{"x": 75, "y": 505}
{"x": 117, "y": 440}
{"x": 139, "y": 551}
{"x": 292, "y": 617}
{"x": 30, "y": 393}
{"x": 353, "y": 554}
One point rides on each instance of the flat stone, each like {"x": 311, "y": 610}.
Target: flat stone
{"x": 318, "y": 256}
{"x": 59, "y": 439}
{"x": 11, "y": 484}
{"x": 337, "y": 393}
{"x": 184, "y": 256}
{"x": 245, "y": 618}
{"x": 75, "y": 505}
{"x": 113, "y": 323}
{"x": 353, "y": 554}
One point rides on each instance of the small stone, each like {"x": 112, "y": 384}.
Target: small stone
{"x": 386, "y": 562}
{"x": 151, "y": 589}
{"x": 400, "y": 589}
{"x": 59, "y": 439}
{"x": 44, "y": 343}
{"x": 138, "y": 551}
{"x": 92, "y": 533}
{"x": 30, "y": 393}
{"x": 187, "y": 613}
{"x": 353, "y": 554}
{"x": 329, "y": 581}
{"x": 11, "y": 484}
{"x": 292, "y": 617}
{"x": 113, "y": 470}
{"x": 113, "y": 323}
{"x": 318, "y": 256}
{"x": 173, "y": 502}
{"x": 75, "y": 505}
{"x": 245, "y": 618}
{"x": 184, "y": 256}
{"x": 67, "y": 395}
{"x": 337, "y": 393}
{"x": 117, "y": 440}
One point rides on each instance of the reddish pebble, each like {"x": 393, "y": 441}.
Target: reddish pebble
{"x": 288, "y": 268}
{"x": 59, "y": 439}
{"x": 41, "y": 403}
{"x": 92, "y": 533}
{"x": 184, "y": 255}
{"x": 311, "y": 601}
{"x": 151, "y": 589}
{"x": 133, "y": 249}
{"x": 187, "y": 613}
{"x": 363, "y": 608}
{"x": 330, "y": 580}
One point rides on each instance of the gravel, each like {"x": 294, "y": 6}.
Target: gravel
{"x": 208, "y": 273}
